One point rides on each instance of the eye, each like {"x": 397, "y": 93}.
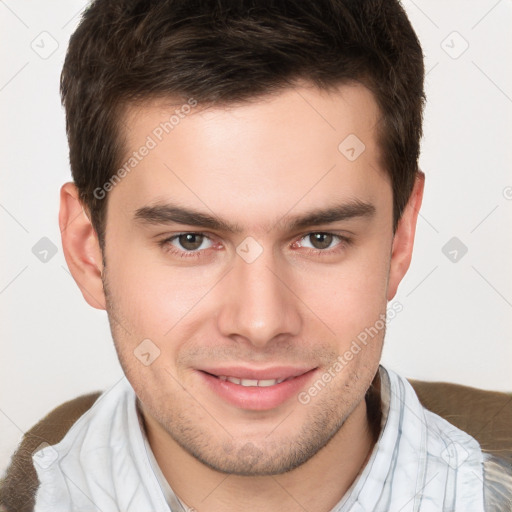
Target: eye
{"x": 192, "y": 244}
{"x": 187, "y": 243}
{"x": 321, "y": 242}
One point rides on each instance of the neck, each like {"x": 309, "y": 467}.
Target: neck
{"x": 333, "y": 470}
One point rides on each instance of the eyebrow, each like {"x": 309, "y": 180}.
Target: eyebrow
{"x": 161, "y": 214}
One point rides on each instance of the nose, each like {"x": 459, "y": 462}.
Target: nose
{"x": 257, "y": 302}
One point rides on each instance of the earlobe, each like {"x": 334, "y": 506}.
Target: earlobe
{"x": 403, "y": 240}
{"x": 81, "y": 247}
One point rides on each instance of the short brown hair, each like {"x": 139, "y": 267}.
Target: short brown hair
{"x": 227, "y": 51}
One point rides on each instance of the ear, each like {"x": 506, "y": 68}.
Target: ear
{"x": 403, "y": 240}
{"x": 81, "y": 247}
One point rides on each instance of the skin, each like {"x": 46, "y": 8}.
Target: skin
{"x": 256, "y": 165}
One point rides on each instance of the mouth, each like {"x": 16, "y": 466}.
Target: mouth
{"x": 250, "y": 383}
{"x": 256, "y": 389}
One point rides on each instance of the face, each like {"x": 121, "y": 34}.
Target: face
{"x": 245, "y": 252}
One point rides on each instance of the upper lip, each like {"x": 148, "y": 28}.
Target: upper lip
{"x": 241, "y": 372}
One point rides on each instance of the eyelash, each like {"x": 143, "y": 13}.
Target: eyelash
{"x": 166, "y": 243}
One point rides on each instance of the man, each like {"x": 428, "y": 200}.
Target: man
{"x": 244, "y": 205}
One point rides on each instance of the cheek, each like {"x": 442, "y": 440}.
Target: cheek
{"x": 351, "y": 296}
{"x": 153, "y": 297}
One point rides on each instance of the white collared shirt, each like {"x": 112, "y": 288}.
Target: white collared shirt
{"x": 420, "y": 463}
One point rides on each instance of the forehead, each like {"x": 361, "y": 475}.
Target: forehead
{"x": 274, "y": 154}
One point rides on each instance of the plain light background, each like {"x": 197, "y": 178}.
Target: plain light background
{"x": 455, "y": 324}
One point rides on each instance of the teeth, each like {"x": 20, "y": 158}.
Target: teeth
{"x": 249, "y": 382}
{"x": 252, "y": 382}
{"x": 265, "y": 383}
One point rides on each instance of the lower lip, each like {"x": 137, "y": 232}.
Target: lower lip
{"x": 256, "y": 398}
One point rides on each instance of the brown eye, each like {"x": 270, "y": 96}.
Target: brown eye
{"x": 320, "y": 240}
{"x": 187, "y": 245}
{"x": 190, "y": 241}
